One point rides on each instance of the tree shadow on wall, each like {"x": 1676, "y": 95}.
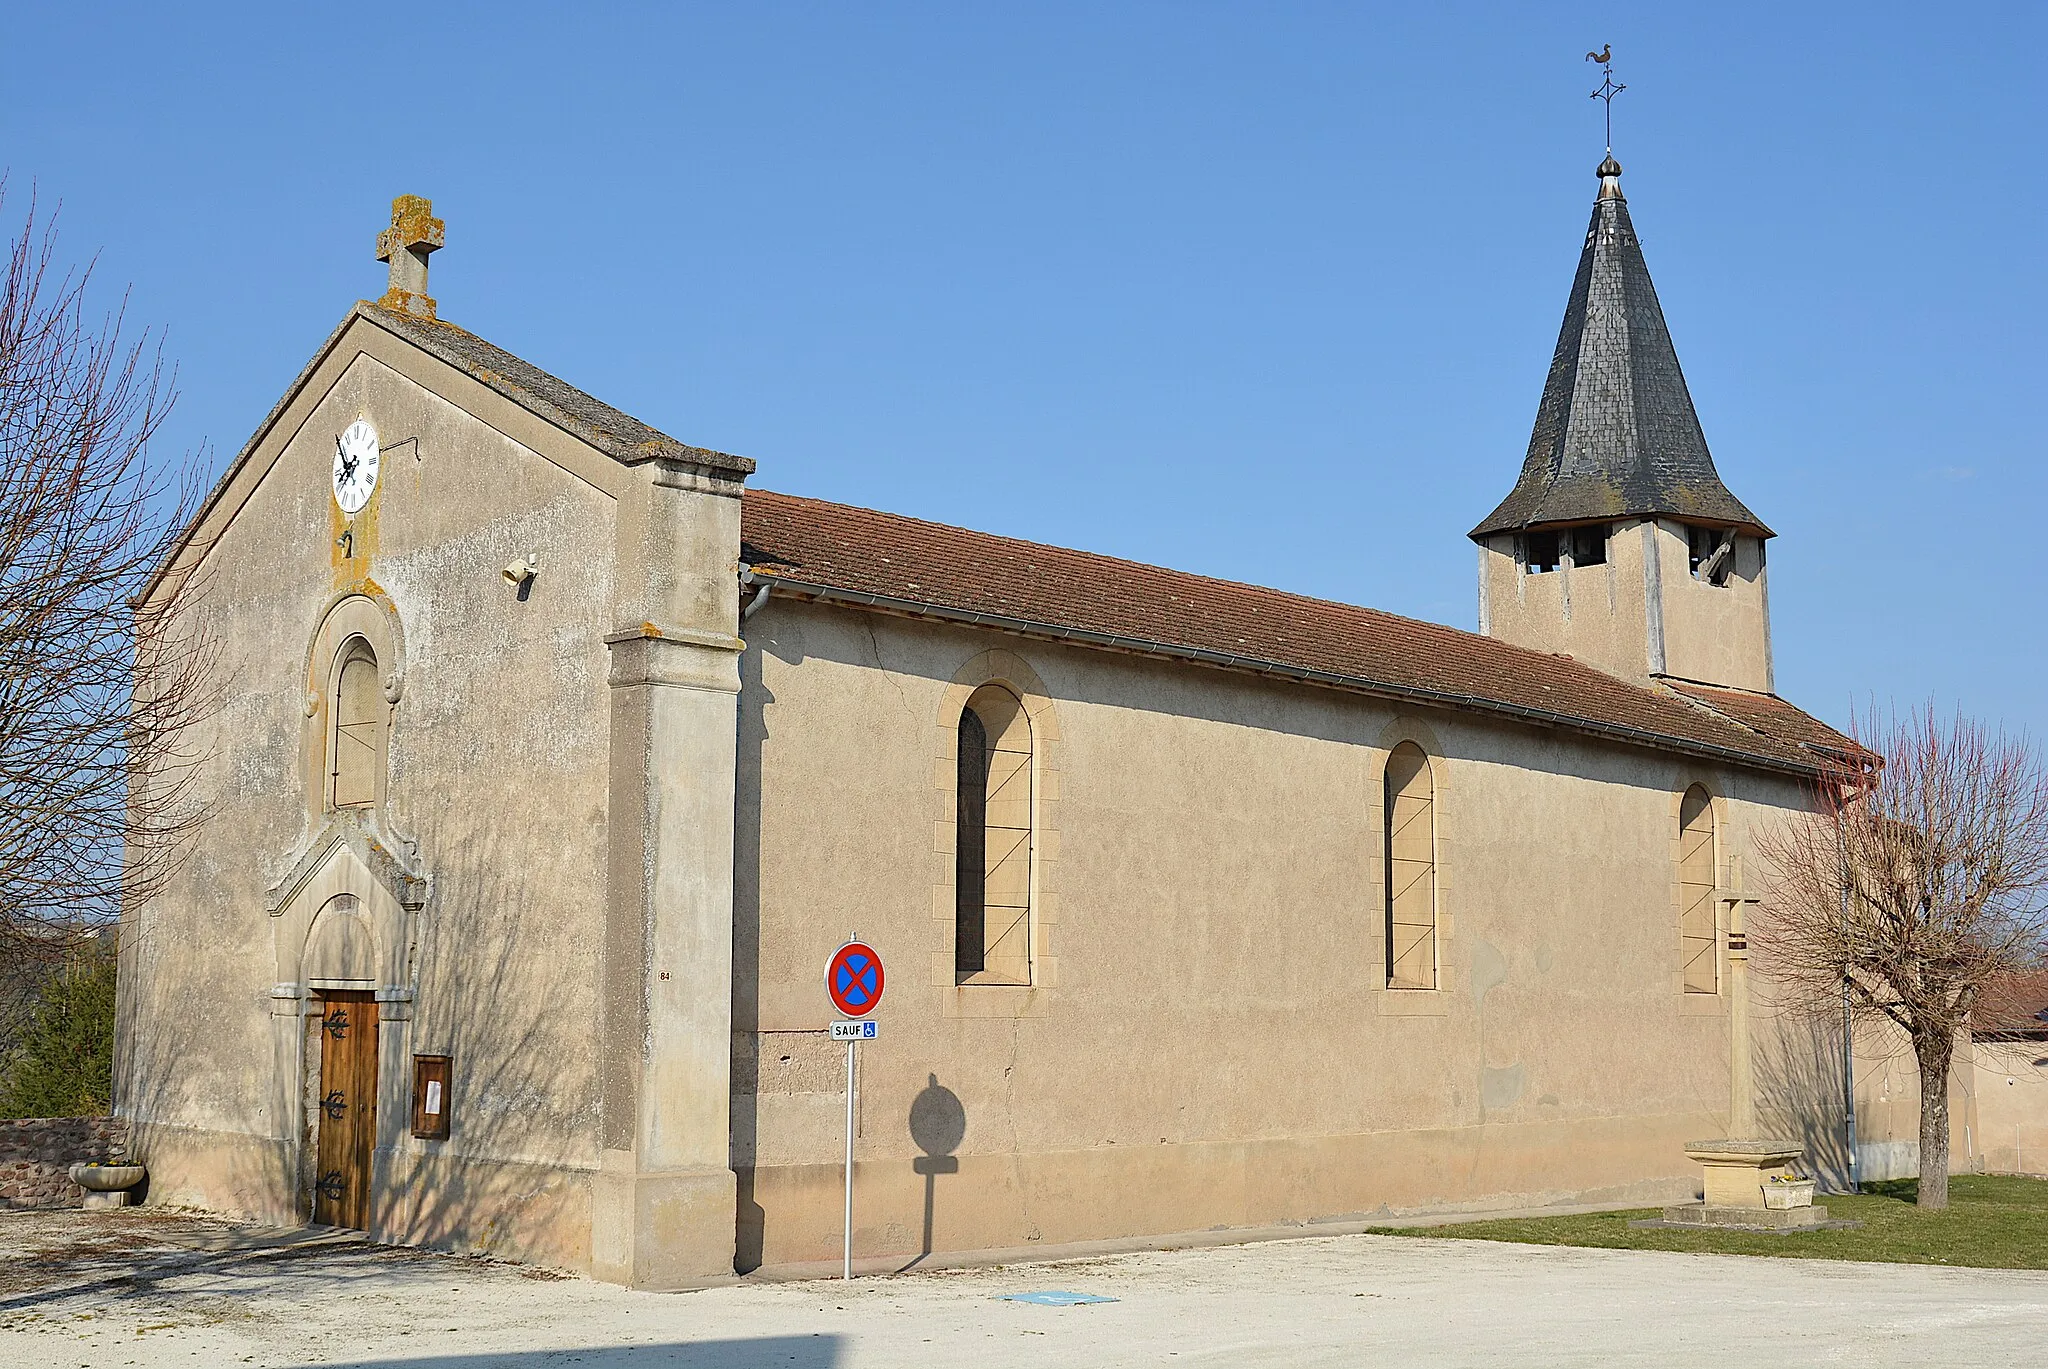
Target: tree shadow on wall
{"x": 1799, "y": 1091}
{"x": 503, "y": 991}
{"x": 164, "y": 1045}
{"x": 751, "y": 1219}
{"x": 510, "y": 995}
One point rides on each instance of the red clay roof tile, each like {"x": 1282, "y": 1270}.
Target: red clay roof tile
{"x": 861, "y": 555}
{"x": 1772, "y": 716}
{"x": 2012, "y": 1006}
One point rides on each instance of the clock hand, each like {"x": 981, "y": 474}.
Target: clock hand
{"x": 348, "y": 463}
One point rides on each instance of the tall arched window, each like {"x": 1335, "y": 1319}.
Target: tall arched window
{"x": 992, "y": 843}
{"x": 357, "y": 752}
{"x": 1696, "y": 860}
{"x": 1410, "y": 810}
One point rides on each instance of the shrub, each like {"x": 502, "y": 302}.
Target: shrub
{"x": 63, "y": 1065}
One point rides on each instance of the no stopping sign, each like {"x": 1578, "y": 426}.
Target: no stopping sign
{"x": 853, "y": 979}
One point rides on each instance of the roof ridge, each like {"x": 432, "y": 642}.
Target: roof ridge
{"x": 1399, "y": 618}
{"x": 611, "y": 430}
{"x": 1688, "y": 683}
{"x": 1796, "y": 726}
{"x": 870, "y": 560}
{"x": 575, "y": 410}
{"x": 1673, "y": 691}
{"x": 1584, "y": 673}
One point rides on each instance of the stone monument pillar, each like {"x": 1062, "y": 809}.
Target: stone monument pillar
{"x": 1749, "y": 1177}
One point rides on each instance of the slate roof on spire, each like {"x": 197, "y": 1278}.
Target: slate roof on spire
{"x": 1616, "y": 434}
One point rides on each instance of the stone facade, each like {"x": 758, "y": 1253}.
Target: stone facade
{"x": 1208, "y": 1039}
{"x": 476, "y": 897}
{"x": 36, "y": 1155}
{"x": 509, "y": 767}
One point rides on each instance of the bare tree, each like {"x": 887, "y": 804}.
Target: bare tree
{"x": 1918, "y": 880}
{"x": 98, "y": 686}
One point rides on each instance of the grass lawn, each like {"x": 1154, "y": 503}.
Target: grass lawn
{"x": 1992, "y": 1222}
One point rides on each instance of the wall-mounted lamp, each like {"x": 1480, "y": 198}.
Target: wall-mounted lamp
{"x": 518, "y": 573}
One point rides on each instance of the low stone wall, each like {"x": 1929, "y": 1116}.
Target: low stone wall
{"x": 36, "y": 1155}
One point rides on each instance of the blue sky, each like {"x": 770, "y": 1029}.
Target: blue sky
{"x": 1261, "y": 291}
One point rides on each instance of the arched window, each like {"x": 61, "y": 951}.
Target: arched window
{"x": 1696, "y": 861}
{"x": 357, "y": 752}
{"x": 992, "y": 843}
{"x": 1410, "y": 810}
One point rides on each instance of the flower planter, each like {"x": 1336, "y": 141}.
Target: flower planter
{"x": 1781, "y": 1195}
{"x": 107, "y": 1185}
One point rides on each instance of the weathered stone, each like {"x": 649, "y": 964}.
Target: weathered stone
{"x": 36, "y": 1155}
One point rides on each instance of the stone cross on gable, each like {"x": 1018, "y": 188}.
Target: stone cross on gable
{"x": 414, "y": 232}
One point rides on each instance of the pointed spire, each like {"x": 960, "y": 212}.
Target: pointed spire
{"x": 1616, "y": 435}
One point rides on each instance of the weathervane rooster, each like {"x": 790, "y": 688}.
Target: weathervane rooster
{"x": 1609, "y": 87}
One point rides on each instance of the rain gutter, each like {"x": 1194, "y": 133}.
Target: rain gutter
{"x": 1358, "y": 684}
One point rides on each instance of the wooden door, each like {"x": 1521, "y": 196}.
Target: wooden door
{"x": 347, "y": 1116}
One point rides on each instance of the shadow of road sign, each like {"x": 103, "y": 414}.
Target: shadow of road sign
{"x": 938, "y": 1124}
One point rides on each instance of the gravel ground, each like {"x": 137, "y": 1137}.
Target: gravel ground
{"x": 146, "y": 1289}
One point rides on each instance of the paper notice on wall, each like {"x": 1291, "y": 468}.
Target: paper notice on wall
{"x": 433, "y": 1098}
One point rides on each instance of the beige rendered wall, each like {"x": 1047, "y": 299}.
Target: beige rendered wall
{"x": 498, "y": 750}
{"x": 1798, "y": 1066}
{"x": 1642, "y": 613}
{"x": 1595, "y": 614}
{"x": 1997, "y": 1106}
{"x": 2010, "y": 1082}
{"x": 1720, "y": 634}
{"x": 1210, "y": 1042}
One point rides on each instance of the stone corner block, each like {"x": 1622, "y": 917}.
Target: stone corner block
{"x": 663, "y": 1230}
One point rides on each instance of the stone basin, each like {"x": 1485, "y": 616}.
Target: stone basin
{"x": 107, "y": 1185}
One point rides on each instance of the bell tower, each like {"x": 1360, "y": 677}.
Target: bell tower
{"x": 1619, "y": 545}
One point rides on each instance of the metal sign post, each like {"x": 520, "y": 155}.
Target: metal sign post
{"x": 846, "y": 1218}
{"x": 853, "y": 981}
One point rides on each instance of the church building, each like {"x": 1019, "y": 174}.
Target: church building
{"x": 556, "y": 757}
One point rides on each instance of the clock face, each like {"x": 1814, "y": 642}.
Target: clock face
{"x": 355, "y": 465}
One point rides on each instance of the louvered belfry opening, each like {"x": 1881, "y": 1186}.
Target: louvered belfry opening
{"x": 1696, "y": 922}
{"x": 1410, "y": 810}
{"x": 358, "y": 727}
{"x": 992, "y": 841}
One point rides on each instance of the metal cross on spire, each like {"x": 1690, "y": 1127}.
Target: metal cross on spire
{"x": 1609, "y": 87}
